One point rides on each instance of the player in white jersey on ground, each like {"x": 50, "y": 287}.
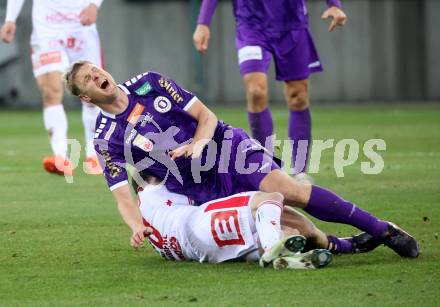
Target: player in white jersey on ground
{"x": 63, "y": 32}
{"x": 245, "y": 226}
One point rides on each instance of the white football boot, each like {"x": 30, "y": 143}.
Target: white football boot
{"x": 287, "y": 246}
{"x": 314, "y": 259}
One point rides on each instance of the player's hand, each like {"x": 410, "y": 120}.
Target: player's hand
{"x": 201, "y": 38}
{"x": 193, "y": 150}
{"x": 138, "y": 236}
{"x": 89, "y": 15}
{"x": 7, "y": 32}
{"x": 185, "y": 150}
{"x": 338, "y": 17}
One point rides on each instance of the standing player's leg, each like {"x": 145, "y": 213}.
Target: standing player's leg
{"x": 48, "y": 64}
{"x": 55, "y": 120}
{"x": 254, "y": 60}
{"x": 296, "y": 94}
{"x": 259, "y": 115}
{"x": 295, "y": 58}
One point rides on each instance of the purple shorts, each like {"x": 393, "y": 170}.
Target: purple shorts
{"x": 294, "y": 53}
{"x": 248, "y": 165}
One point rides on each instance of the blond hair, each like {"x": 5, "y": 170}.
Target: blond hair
{"x": 70, "y": 75}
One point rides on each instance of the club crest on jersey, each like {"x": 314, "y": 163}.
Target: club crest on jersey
{"x": 143, "y": 143}
{"x": 144, "y": 89}
{"x": 135, "y": 113}
{"x": 162, "y": 104}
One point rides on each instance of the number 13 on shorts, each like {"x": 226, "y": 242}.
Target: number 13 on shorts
{"x": 225, "y": 228}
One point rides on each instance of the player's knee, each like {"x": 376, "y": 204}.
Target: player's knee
{"x": 257, "y": 98}
{"x": 292, "y": 190}
{"x": 51, "y": 94}
{"x": 295, "y": 192}
{"x": 297, "y": 98}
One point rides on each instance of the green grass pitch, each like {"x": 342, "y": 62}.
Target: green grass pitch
{"x": 65, "y": 244}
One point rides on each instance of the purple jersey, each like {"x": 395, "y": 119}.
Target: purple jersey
{"x": 270, "y": 15}
{"x": 264, "y": 15}
{"x": 155, "y": 122}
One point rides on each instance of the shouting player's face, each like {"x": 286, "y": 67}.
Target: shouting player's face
{"x": 97, "y": 85}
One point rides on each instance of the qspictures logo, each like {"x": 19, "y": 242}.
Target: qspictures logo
{"x": 232, "y": 156}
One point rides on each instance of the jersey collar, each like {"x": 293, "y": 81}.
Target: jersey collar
{"x": 113, "y": 116}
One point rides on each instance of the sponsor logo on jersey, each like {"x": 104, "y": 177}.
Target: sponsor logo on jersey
{"x": 135, "y": 113}
{"x": 144, "y": 89}
{"x": 143, "y": 143}
{"x": 248, "y": 53}
{"x": 50, "y": 58}
{"x": 168, "y": 248}
{"x": 162, "y": 104}
{"x": 166, "y": 84}
{"x": 113, "y": 169}
{"x": 130, "y": 136}
{"x": 63, "y": 18}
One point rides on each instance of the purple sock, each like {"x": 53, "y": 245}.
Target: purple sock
{"x": 329, "y": 207}
{"x": 261, "y": 126}
{"x": 339, "y": 246}
{"x": 300, "y": 129}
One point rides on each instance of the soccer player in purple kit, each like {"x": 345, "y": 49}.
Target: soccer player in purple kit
{"x": 151, "y": 123}
{"x": 278, "y": 29}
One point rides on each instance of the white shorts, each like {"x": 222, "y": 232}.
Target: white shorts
{"x": 223, "y": 229}
{"x": 55, "y": 52}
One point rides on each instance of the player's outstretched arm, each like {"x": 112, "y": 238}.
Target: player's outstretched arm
{"x": 335, "y": 12}
{"x": 13, "y": 8}
{"x": 202, "y": 32}
{"x": 130, "y": 214}
{"x": 206, "y": 124}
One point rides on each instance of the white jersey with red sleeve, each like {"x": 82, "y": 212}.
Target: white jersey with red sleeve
{"x": 217, "y": 231}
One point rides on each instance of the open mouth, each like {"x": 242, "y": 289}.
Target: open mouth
{"x": 104, "y": 84}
